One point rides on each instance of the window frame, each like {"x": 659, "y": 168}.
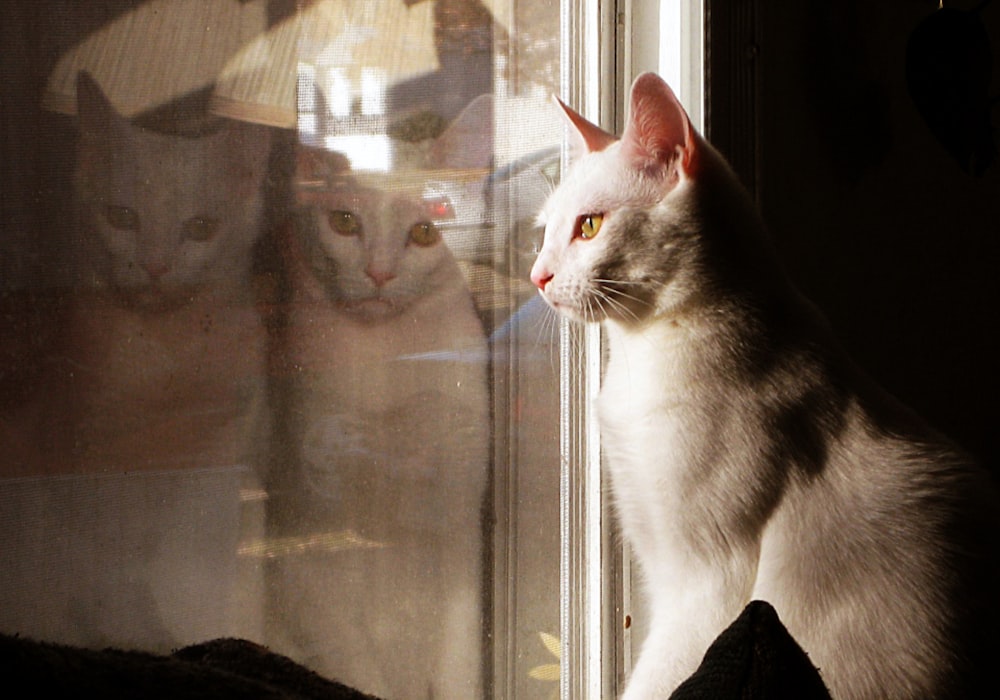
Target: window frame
{"x": 606, "y": 44}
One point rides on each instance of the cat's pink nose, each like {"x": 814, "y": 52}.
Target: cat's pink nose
{"x": 540, "y": 276}
{"x": 379, "y": 276}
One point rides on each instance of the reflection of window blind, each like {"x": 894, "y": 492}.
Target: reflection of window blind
{"x": 189, "y": 41}
{"x": 258, "y": 84}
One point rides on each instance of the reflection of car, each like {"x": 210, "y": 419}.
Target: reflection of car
{"x": 516, "y": 193}
{"x": 489, "y": 224}
{"x": 488, "y": 220}
{"x": 458, "y": 207}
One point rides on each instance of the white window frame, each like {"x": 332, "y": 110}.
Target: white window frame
{"x": 606, "y": 44}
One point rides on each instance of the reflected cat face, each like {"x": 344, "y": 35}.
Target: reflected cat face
{"x": 164, "y": 217}
{"x": 374, "y": 252}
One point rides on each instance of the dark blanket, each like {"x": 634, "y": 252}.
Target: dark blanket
{"x": 753, "y": 659}
{"x": 222, "y": 669}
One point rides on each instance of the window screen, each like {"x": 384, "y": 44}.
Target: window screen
{"x": 271, "y": 366}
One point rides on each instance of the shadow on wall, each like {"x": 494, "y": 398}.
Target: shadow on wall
{"x": 889, "y": 230}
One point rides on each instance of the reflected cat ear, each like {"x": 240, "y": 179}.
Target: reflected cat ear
{"x": 94, "y": 110}
{"x": 468, "y": 140}
{"x": 585, "y": 136}
{"x": 658, "y": 135}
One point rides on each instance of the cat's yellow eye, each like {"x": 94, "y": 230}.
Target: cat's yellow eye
{"x": 345, "y": 223}
{"x": 121, "y": 218}
{"x": 424, "y": 234}
{"x": 200, "y": 228}
{"x": 589, "y": 226}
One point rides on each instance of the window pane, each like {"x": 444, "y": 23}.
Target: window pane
{"x": 271, "y": 365}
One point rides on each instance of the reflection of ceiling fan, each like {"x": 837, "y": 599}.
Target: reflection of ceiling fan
{"x": 949, "y": 70}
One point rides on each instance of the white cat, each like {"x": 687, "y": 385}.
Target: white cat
{"x": 749, "y": 459}
{"x": 389, "y": 429}
{"x": 161, "y": 362}
{"x": 127, "y": 456}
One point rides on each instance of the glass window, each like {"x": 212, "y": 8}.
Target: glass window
{"x": 603, "y": 623}
{"x": 272, "y": 367}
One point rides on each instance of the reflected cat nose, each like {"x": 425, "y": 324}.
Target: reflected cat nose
{"x": 379, "y": 276}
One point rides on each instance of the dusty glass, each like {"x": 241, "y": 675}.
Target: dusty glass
{"x": 271, "y": 366}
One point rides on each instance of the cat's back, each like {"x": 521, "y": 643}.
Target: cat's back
{"x": 884, "y": 561}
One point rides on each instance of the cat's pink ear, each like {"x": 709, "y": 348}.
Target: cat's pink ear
{"x": 586, "y": 137}
{"x": 658, "y": 136}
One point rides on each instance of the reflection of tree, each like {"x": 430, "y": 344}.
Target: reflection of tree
{"x": 535, "y": 44}
{"x": 464, "y": 35}
{"x": 460, "y": 26}
{"x": 466, "y": 40}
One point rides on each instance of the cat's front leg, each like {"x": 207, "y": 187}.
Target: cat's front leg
{"x": 688, "y": 612}
{"x": 664, "y": 663}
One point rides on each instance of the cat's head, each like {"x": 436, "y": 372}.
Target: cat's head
{"x": 164, "y": 216}
{"x": 374, "y": 252}
{"x": 623, "y": 239}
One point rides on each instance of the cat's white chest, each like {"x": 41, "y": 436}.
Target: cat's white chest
{"x": 644, "y": 380}
{"x": 367, "y": 369}
{"x": 642, "y": 426}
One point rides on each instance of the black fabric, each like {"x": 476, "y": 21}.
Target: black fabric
{"x": 755, "y": 658}
{"x": 222, "y": 669}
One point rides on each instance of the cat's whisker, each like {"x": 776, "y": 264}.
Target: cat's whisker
{"x": 623, "y": 295}
{"x": 553, "y": 325}
{"x": 618, "y": 306}
{"x": 545, "y": 331}
{"x": 615, "y": 284}
{"x": 548, "y": 334}
{"x": 595, "y": 309}
{"x": 614, "y": 299}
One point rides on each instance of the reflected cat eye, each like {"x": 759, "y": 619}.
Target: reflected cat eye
{"x": 424, "y": 234}
{"x": 345, "y": 223}
{"x": 200, "y": 228}
{"x": 121, "y": 218}
{"x": 589, "y": 225}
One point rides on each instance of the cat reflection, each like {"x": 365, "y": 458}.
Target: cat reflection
{"x": 157, "y": 374}
{"x": 161, "y": 358}
{"x": 388, "y": 425}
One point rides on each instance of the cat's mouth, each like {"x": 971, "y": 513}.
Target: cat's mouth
{"x": 572, "y": 311}
{"x": 151, "y": 299}
{"x": 372, "y": 308}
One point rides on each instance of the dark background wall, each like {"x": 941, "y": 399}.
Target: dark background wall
{"x": 877, "y": 222}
